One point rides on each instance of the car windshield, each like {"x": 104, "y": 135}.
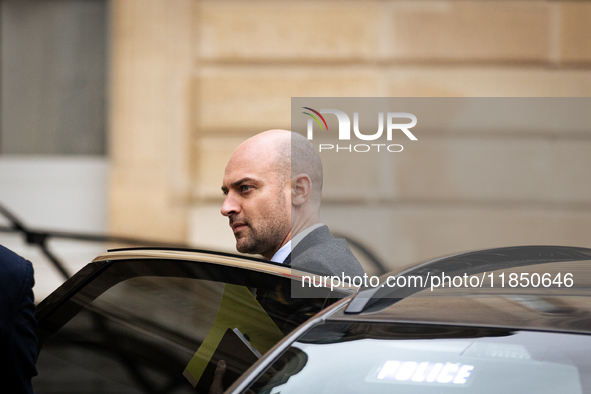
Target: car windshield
{"x": 413, "y": 358}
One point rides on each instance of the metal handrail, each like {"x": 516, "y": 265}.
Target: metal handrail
{"x": 39, "y": 238}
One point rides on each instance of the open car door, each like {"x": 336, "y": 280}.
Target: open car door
{"x": 156, "y": 321}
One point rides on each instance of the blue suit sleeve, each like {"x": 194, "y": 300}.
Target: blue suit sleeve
{"x": 18, "y": 342}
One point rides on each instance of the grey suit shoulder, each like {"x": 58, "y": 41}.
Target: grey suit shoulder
{"x": 322, "y": 253}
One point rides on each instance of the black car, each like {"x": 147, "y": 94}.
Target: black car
{"x": 147, "y": 320}
{"x": 513, "y": 320}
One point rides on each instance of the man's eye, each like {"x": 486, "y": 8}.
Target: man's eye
{"x": 245, "y": 188}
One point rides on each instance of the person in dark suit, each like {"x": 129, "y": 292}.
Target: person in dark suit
{"x": 273, "y": 188}
{"x": 18, "y": 342}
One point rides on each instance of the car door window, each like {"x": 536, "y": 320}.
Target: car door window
{"x": 140, "y": 326}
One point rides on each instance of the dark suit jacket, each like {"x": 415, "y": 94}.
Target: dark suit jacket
{"x": 320, "y": 252}
{"x": 18, "y": 342}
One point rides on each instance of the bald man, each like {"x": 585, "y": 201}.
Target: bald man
{"x": 273, "y": 189}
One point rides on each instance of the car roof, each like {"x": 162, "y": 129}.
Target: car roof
{"x": 552, "y": 308}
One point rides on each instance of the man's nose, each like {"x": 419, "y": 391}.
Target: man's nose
{"x": 230, "y": 206}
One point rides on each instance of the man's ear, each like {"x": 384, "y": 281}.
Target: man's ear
{"x": 301, "y": 187}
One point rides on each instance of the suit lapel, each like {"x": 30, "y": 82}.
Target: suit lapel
{"x": 287, "y": 260}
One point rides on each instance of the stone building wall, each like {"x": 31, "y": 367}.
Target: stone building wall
{"x": 191, "y": 79}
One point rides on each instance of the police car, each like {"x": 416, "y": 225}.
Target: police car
{"x": 520, "y": 328}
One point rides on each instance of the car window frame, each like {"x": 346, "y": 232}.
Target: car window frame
{"x": 109, "y": 269}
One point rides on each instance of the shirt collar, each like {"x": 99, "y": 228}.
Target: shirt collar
{"x": 281, "y": 254}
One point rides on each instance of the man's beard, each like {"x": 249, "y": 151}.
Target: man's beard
{"x": 268, "y": 234}
{"x": 263, "y": 239}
